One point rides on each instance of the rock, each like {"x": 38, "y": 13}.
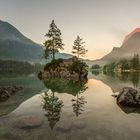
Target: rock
{"x": 65, "y": 69}
{"x": 115, "y": 96}
{"x": 28, "y": 122}
{"x": 6, "y": 92}
{"x": 129, "y": 97}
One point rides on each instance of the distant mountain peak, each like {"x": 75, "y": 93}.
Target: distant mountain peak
{"x": 136, "y": 30}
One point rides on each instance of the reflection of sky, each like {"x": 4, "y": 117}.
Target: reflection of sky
{"x": 102, "y": 23}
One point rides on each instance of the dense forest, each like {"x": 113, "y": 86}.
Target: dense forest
{"x": 123, "y": 65}
{"x": 18, "y": 66}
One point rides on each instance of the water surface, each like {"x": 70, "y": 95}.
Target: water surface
{"x": 70, "y": 111}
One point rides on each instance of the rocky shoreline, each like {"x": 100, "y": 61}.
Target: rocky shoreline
{"x": 7, "y": 91}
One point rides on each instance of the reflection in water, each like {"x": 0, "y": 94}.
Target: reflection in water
{"x": 78, "y": 105}
{"x": 52, "y": 105}
{"x": 95, "y": 72}
{"x": 135, "y": 79}
{"x": 65, "y": 86}
{"x": 128, "y": 110}
{"x": 126, "y": 76}
{"x": 118, "y": 81}
{"x": 78, "y": 102}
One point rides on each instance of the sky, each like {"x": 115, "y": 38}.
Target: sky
{"x": 102, "y": 24}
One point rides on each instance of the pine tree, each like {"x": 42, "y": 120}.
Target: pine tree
{"x": 79, "y": 47}
{"x": 54, "y": 42}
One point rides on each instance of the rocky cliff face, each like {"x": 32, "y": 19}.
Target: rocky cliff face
{"x": 129, "y": 47}
{"x": 65, "y": 68}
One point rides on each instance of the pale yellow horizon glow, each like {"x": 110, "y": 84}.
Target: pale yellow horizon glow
{"x": 103, "y": 24}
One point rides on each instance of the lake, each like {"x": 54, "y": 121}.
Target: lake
{"x": 61, "y": 110}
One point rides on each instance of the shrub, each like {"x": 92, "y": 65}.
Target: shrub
{"x": 96, "y": 66}
{"x": 53, "y": 64}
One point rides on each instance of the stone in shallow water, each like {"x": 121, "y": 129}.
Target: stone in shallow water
{"x": 64, "y": 126}
{"x": 7, "y": 91}
{"x": 28, "y": 122}
{"x": 129, "y": 97}
{"x": 79, "y": 124}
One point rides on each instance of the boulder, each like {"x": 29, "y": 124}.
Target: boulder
{"x": 129, "y": 97}
{"x": 6, "y": 92}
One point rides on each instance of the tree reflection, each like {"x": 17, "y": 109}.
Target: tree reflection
{"x": 79, "y": 102}
{"x": 65, "y": 86}
{"x": 52, "y": 105}
{"x": 135, "y": 79}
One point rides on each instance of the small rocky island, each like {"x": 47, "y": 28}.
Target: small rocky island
{"x": 70, "y": 69}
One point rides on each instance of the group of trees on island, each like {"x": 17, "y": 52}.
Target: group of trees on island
{"x": 54, "y": 43}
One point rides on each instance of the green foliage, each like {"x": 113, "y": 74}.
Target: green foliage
{"x": 96, "y": 66}
{"x": 95, "y": 72}
{"x": 53, "y": 64}
{"x": 126, "y": 64}
{"x": 54, "y": 43}
{"x": 109, "y": 67}
{"x": 79, "y": 47}
{"x": 18, "y": 66}
{"x": 78, "y": 105}
{"x": 135, "y": 62}
{"x": 65, "y": 86}
{"x": 78, "y": 67}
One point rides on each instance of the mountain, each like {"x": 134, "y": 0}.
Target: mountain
{"x": 15, "y": 46}
{"x": 130, "y": 46}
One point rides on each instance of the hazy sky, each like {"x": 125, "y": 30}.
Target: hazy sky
{"x": 102, "y": 24}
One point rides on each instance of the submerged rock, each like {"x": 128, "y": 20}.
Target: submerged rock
{"x": 6, "y": 92}
{"x": 28, "y": 122}
{"x": 79, "y": 124}
{"x": 129, "y": 97}
{"x": 64, "y": 126}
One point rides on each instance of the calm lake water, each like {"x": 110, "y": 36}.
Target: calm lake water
{"x": 58, "y": 110}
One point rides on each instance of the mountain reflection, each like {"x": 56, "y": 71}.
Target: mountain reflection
{"x": 117, "y": 81}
